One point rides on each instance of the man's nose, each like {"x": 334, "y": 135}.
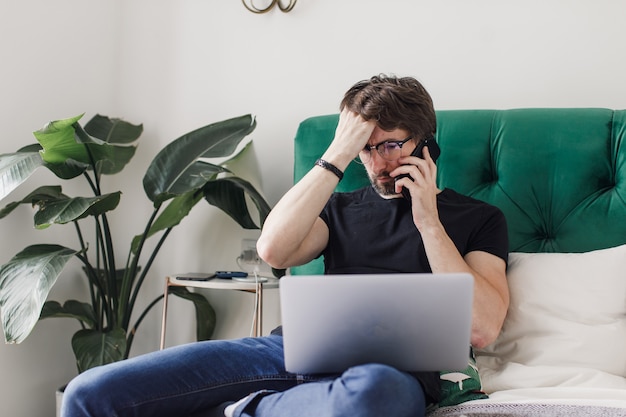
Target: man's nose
{"x": 377, "y": 161}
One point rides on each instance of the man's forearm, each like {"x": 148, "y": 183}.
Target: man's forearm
{"x": 289, "y": 234}
{"x": 491, "y": 297}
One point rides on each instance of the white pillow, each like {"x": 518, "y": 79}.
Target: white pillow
{"x": 566, "y": 324}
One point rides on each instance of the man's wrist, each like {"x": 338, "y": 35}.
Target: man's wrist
{"x": 329, "y": 167}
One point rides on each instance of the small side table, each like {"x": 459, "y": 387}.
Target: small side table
{"x": 223, "y": 284}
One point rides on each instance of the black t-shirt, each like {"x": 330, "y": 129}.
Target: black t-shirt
{"x": 371, "y": 234}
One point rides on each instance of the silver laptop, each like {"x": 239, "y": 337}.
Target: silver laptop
{"x": 414, "y": 322}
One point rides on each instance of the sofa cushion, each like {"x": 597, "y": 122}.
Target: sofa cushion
{"x": 566, "y": 324}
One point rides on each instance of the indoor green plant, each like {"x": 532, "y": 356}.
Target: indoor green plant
{"x": 176, "y": 180}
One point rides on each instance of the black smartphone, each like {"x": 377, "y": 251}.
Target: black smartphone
{"x": 195, "y": 276}
{"x": 434, "y": 151}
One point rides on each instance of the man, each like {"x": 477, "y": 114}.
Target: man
{"x": 371, "y": 230}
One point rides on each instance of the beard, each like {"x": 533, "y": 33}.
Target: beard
{"x": 384, "y": 188}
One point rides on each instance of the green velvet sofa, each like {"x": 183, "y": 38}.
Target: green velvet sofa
{"x": 559, "y": 176}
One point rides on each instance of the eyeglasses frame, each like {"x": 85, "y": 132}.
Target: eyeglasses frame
{"x": 369, "y": 148}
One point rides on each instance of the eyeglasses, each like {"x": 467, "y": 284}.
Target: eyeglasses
{"x": 389, "y": 150}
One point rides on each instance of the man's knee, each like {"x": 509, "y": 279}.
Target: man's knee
{"x": 83, "y": 393}
{"x": 377, "y": 389}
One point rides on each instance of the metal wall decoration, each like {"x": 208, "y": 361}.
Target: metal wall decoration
{"x": 249, "y": 4}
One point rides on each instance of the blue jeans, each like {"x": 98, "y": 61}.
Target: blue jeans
{"x": 190, "y": 380}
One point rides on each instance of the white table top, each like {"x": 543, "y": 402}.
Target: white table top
{"x": 226, "y": 284}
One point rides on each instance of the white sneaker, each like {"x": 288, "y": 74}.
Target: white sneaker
{"x": 229, "y": 411}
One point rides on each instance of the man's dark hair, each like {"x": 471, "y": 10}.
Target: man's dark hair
{"x": 395, "y": 103}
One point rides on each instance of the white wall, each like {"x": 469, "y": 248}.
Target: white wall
{"x": 176, "y": 65}
{"x": 55, "y": 63}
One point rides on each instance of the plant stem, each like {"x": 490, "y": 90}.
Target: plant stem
{"x": 110, "y": 258}
{"x": 94, "y": 187}
{"x": 108, "y": 274}
{"x": 130, "y": 273}
{"x": 94, "y": 301}
{"x": 93, "y": 278}
{"x": 108, "y": 255}
{"x": 131, "y": 332}
{"x": 104, "y": 247}
{"x": 144, "y": 273}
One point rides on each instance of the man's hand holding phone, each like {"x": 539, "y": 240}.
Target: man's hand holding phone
{"x": 418, "y": 181}
{"x": 427, "y": 150}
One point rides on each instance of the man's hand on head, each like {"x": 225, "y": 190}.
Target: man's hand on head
{"x": 351, "y": 136}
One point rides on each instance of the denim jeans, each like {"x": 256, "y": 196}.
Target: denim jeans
{"x": 191, "y": 380}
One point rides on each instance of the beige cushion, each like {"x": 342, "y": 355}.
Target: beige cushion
{"x": 566, "y": 324}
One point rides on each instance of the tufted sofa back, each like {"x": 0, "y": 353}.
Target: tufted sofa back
{"x": 559, "y": 175}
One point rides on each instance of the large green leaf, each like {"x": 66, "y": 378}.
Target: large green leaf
{"x": 68, "y": 169}
{"x": 67, "y": 149}
{"x": 44, "y": 193}
{"x": 15, "y": 168}
{"x": 112, "y": 159}
{"x": 70, "y": 209}
{"x": 33, "y": 147}
{"x": 229, "y": 194}
{"x": 94, "y": 348}
{"x": 193, "y": 179}
{"x": 72, "y": 309}
{"x": 112, "y": 130}
{"x": 25, "y": 282}
{"x": 58, "y": 143}
{"x": 205, "y": 315}
{"x": 237, "y": 157}
{"x": 108, "y": 159}
{"x": 177, "y": 209}
{"x": 174, "y": 164}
